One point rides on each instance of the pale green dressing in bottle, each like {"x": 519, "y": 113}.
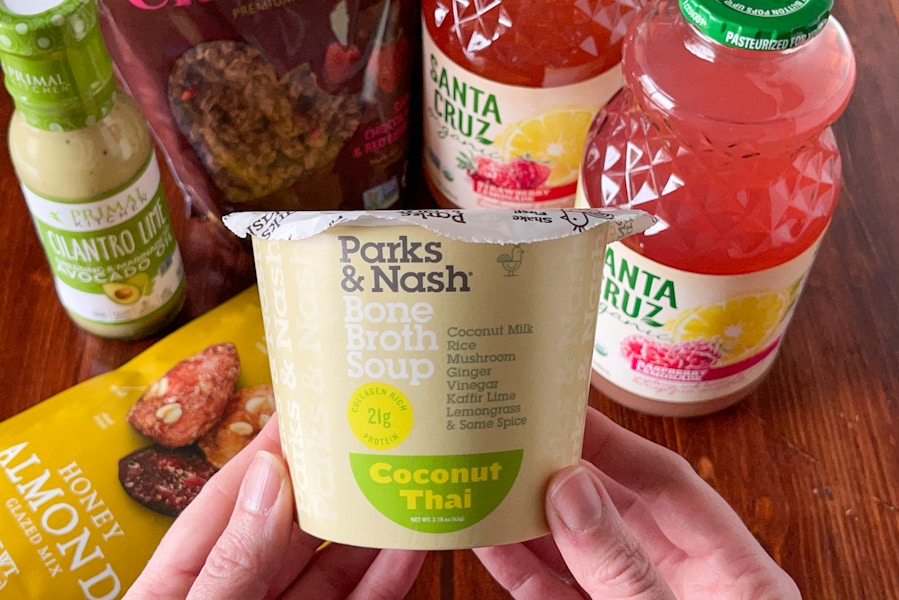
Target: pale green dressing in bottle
{"x": 88, "y": 171}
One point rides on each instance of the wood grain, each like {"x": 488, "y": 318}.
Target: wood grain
{"x": 810, "y": 461}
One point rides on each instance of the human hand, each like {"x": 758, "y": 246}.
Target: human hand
{"x": 634, "y": 521}
{"x": 238, "y": 540}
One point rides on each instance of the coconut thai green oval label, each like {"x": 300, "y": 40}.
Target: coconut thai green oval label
{"x": 436, "y": 494}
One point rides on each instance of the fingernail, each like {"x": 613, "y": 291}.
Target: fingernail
{"x": 576, "y": 501}
{"x": 262, "y": 483}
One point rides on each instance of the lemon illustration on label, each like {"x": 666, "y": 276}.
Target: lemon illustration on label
{"x": 741, "y": 325}
{"x": 554, "y": 138}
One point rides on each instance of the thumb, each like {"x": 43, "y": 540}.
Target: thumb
{"x": 250, "y": 551}
{"x": 602, "y": 553}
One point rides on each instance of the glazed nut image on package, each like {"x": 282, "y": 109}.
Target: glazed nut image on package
{"x": 92, "y": 478}
{"x": 430, "y": 368}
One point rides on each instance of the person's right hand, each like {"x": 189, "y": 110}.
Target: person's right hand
{"x": 634, "y": 521}
{"x": 239, "y": 540}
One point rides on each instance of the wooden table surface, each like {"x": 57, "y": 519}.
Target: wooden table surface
{"x": 810, "y": 461}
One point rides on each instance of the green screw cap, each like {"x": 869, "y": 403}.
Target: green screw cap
{"x": 56, "y": 28}
{"x": 55, "y": 64}
{"x": 767, "y": 25}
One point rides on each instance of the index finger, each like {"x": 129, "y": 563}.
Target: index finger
{"x": 689, "y": 511}
{"x": 183, "y": 551}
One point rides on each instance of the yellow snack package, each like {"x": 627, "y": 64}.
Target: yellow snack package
{"x": 91, "y": 478}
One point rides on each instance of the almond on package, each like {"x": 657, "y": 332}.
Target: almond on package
{"x": 86, "y": 498}
{"x": 186, "y": 402}
{"x": 246, "y": 414}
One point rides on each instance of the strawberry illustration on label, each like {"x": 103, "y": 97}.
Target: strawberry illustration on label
{"x": 492, "y": 171}
{"x": 691, "y": 356}
{"x": 517, "y": 174}
{"x": 386, "y": 63}
{"x": 340, "y": 61}
{"x": 528, "y": 174}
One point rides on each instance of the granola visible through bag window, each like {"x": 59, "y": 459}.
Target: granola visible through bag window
{"x": 293, "y": 105}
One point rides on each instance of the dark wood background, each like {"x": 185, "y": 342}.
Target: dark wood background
{"x": 810, "y": 461}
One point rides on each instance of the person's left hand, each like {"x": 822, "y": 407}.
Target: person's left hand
{"x": 238, "y": 540}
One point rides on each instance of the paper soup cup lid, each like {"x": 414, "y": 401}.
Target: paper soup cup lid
{"x": 487, "y": 226}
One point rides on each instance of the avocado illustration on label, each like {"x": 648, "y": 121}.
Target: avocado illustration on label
{"x": 122, "y": 293}
{"x": 142, "y": 281}
{"x": 436, "y": 494}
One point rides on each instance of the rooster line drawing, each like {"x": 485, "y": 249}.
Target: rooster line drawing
{"x": 511, "y": 262}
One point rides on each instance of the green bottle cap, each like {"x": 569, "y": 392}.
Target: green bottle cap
{"x": 56, "y": 66}
{"x": 758, "y": 24}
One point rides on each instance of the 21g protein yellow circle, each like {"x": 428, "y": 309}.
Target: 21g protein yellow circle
{"x": 379, "y": 415}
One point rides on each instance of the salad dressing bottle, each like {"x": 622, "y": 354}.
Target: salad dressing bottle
{"x": 88, "y": 172}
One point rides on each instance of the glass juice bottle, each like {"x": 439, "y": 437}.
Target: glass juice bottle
{"x": 722, "y": 131}
{"x": 510, "y": 88}
{"x": 88, "y": 171}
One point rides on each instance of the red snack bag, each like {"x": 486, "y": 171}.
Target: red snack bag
{"x": 292, "y": 105}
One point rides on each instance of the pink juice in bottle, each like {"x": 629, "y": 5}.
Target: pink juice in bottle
{"x": 722, "y": 132}
{"x": 510, "y": 89}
